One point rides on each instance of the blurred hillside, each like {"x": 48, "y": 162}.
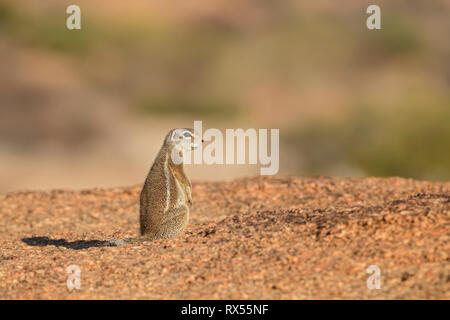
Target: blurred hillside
{"x": 90, "y": 107}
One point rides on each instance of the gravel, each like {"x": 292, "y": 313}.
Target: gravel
{"x": 252, "y": 238}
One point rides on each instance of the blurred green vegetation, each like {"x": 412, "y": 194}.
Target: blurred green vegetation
{"x": 409, "y": 140}
{"x": 398, "y": 36}
{"x": 313, "y": 57}
{"x": 5, "y": 12}
{"x": 49, "y": 32}
{"x": 211, "y": 107}
{"x": 6, "y": 16}
{"x": 168, "y": 68}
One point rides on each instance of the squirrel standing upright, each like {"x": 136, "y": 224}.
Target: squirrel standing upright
{"x": 166, "y": 195}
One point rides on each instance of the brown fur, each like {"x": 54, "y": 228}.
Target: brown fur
{"x": 165, "y": 214}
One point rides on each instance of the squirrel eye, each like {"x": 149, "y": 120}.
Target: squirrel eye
{"x": 187, "y": 134}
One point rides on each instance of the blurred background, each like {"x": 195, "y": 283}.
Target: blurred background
{"x": 90, "y": 108}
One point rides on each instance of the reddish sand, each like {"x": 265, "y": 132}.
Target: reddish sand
{"x": 256, "y": 238}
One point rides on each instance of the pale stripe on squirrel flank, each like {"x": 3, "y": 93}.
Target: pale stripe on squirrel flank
{"x": 166, "y": 195}
{"x": 159, "y": 217}
{"x": 166, "y": 174}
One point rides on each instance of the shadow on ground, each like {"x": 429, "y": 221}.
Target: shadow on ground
{"x": 75, "y": 245}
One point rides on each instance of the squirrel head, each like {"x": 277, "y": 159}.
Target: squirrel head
{"x": 183, "y": 139}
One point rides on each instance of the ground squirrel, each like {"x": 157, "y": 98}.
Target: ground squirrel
{"x": 166, "y": 194}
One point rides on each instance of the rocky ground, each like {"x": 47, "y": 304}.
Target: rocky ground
{"x": 254, "y": 238}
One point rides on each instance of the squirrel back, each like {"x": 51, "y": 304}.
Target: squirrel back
{"x": 166, "y": 194}
{"x": 164, "y": 210}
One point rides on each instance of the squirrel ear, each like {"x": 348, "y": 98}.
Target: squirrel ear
{"x": 173, "y": 135}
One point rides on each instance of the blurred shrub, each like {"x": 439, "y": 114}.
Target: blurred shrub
{"x": 410, "y": 140}
{"x": 399, "y": 36}
{"x": 50, "y": 35}
{"x": 50, "y": 32}
{"x": 6, "y": 15}
{"x": 187, "y": 105}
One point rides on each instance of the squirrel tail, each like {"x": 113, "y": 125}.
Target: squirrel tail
{"x": 119, "y": 242}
